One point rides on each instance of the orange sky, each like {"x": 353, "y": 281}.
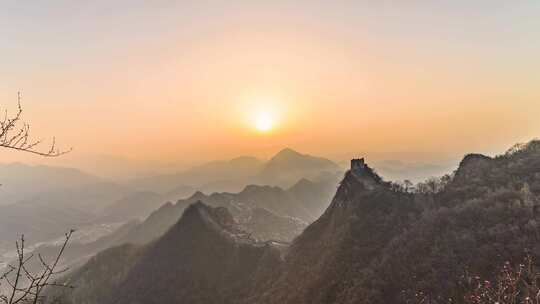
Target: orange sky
{"x": 181, "y": 83}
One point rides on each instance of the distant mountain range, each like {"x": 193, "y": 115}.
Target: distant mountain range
{"x": 20, "y": 181}
{"x": 264, "y": 213}
{"x": 42, "y": 201}
{"x": 89, "y": 204}
{"x": 375, "y": 243}
{"x": 255, "y": 207}
{"x": 284, "y": 169}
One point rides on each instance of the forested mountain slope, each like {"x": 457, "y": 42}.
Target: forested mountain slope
{"x": 376, "y": 243}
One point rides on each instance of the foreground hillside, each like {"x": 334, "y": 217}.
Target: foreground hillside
{"x": 376, "y": 243}
{"x": 214, "y": 262}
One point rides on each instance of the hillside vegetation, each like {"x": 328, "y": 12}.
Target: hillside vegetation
{"x": 375, "y": 243}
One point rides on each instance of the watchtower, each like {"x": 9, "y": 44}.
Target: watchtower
{"x": 358, "y": 164}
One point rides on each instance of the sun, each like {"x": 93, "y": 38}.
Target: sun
{"x": 262, "y": 115}
{"x": 264, "y": 122}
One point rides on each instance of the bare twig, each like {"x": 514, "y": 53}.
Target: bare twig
{"x": 26, "y": 287}
{"x": 19, "y": 140}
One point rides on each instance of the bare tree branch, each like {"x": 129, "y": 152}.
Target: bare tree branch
{"x": 15, "y": 135}
{"x": 26, "y": 287}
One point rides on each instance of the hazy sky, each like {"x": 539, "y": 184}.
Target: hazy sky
{"x": 181, "y": 81}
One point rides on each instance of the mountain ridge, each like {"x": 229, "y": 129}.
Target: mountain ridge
{"x": 377, "y": 243}
{"x": 233, "y": 175}
{"x": 205, "y": 239}
{"x": 281, "y": 203}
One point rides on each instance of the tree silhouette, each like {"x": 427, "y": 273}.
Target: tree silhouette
{"x": 17, "y": 283}
{"x": 27, "y": 287}
{"x": 15, "y": 135}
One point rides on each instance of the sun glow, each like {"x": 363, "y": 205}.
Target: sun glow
{"x": 264, "y": 121}
{"x": 262, "y": 115}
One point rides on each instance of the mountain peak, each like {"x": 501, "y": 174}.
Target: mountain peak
{"x": 472, "y": 165}
{"x": 302, "y": 183}
{"x": 287, "y": 153}
{"x": 289, "y": 166}
{"x": 217, "y": 218}
{"x": 204, "y": 258}
{"x": 357, "y": 187}
{"x": 197, "y": 196}
{"x": 474, "y": 157}
{"x": 360, "y": 169}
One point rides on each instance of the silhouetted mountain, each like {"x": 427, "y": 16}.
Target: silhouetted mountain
{"x": 231, "y": 175}
{"x": 289, "y": 166}
{"x": 20, "y": 181}
{"x": 204, "y": 258}
{"x": 47, "y": 215}
{"x": 325, "y": 263}
{"x": 218, "y": 262}
{"x": 53, "y": 199}
{"x": 274, "y": 199}
{"x": 297, "y": 206}
{"x": 98, "y": 280}
{"x": 284, "y": 169}
{"x": 40, "y": 221}
{"x": 376, "y": 243}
